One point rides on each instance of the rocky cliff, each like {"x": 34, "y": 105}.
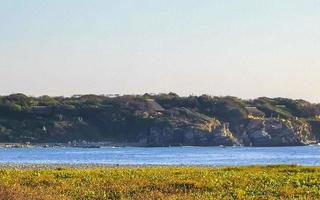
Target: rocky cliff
{"x": 211, "y": 132}
{"x": 278, "y": 132}
{"x": 188, "y": 128}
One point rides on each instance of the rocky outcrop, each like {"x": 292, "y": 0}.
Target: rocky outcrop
{"x": 188, "y": 128}
{"x": 188, "y": 137}
{"x": 279, "y": 132}
{"x": 199, "y": 130}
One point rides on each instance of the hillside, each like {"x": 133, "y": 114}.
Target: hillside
{"x": 159, "y": 120}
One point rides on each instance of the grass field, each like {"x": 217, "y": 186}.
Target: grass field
{"x": 264, "y": 182}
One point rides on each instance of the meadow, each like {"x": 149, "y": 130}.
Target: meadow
{"x": 252, "y": 182}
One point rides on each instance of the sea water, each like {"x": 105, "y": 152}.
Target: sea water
{"x": 213, "y": 156}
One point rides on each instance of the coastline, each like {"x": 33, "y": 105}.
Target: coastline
{"x": 85, "y": 144}
{"x": 23, "y": 166}
{"x": 76, "y": 144}
{"x": 27, "y": 166}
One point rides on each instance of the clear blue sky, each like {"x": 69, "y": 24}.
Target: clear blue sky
{"x": 245, "y": 48}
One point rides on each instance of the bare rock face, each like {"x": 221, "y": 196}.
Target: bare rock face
{"x": 279, "y": 132}
{"x": 189, "y": 128}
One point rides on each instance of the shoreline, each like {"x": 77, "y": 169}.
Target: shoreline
{"x": 75, "y": 144}
{"x": 29, "y": 166}
{"x": 85, "y": 144}
{"x": 20, "y": 166}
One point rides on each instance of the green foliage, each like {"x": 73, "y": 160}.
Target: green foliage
{"x": 269, "y": 182}
{"x": 48, "y": 101}
{"x": 272, "y": 107}
{"x": 229, "y": 109}
{"x": 287, "y": 108}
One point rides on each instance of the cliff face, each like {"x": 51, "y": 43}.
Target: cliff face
{"x": 277, "y": 132}
{"x": 160, "y": 120}
{"x": 189, "y": 129}
{"x": 269, "y": 132}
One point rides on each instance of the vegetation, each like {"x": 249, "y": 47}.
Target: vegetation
{"x": 124, "y": 118}
{"x": 265, "y": 182}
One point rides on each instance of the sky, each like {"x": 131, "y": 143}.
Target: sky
{"x": 244, "y": 48}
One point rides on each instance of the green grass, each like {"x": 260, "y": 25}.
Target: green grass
{"x": 256, "y": 182}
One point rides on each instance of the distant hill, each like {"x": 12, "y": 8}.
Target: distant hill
{"x": 159, "y": 120}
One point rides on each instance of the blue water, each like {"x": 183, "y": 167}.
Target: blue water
{"x": 216, "y": 156}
